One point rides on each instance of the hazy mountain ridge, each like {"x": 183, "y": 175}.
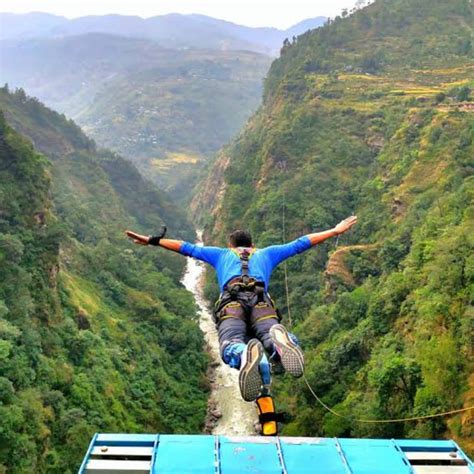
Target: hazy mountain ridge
{"x": 30, "y": 25}
{"x": 149, "y": 103}
{"x": 172, "y": 30}
{"x": 67, "y": 72}
{"x": 92, "y": 328}
{"x": 371, "y": 115}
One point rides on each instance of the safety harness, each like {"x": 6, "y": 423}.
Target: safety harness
{"x": 247, "y": 292}
{"x": 242, "y": 289}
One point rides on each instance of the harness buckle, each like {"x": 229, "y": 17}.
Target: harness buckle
{"x": 234, "y": 291}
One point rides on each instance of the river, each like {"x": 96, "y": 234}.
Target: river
{"x": 234, "y": 416}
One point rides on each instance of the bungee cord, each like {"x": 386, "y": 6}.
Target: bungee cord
{"x": 393, "y": 420}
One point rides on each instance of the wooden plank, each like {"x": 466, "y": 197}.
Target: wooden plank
{"x": 186, "y": 454}
{"x": 99, "y": 466}
{"x": 373, "y": 456}
{"x": 316, "y": 458}
{"x": 426, "y": 455}
{"x": 125, "y": 439}
{"x": 441, "y": 470}
{"x": 249, "y": 456}
{"x": 124, "y": 451}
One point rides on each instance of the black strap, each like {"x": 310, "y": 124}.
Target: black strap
{"x": 271, "y": 416}
{"x": 244, "y": 262}
{"x": 155, "y": 239}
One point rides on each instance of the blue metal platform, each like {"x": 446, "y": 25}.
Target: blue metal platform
{"x": 203, "y": 454}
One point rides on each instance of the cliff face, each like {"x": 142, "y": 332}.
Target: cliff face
{"x": 209, "y": 196}
{"x": 370, "y": 115}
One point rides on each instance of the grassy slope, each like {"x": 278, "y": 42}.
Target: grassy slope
{"x": 103, "y": 332}
{"x": 369, "y": 115}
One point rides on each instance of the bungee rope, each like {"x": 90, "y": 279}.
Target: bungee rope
{"x": 312, "y": 391}
{"x": 393, "y": 420}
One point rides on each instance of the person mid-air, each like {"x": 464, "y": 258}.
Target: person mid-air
{"x": 247, "y": 321}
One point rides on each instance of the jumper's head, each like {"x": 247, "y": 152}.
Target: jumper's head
{"x": 240, "y": 238}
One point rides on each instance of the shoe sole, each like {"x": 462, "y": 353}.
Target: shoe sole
{"x": 291, "y": 355}
{"x": 250, "y": 380}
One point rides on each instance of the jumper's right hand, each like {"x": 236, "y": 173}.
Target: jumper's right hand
{"x": 345, "y": 225}
{"x": 138, "y": 238}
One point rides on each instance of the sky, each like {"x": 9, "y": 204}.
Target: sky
{"x": 277, "y": 13}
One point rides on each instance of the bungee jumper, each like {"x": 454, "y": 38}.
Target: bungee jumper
{"x": 248, "y": 323}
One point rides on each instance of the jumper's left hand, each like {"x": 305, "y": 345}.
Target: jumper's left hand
{"x": 345, "y": 225}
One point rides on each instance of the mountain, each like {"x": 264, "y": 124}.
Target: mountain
{"x": 96, "y": 334}
{"x": 171, "y": 31}
{"x": 370, "y": 115}
{"x": 305, "y": 25}
{"x": 160, "y": 108}
{"x": 170, "y": 119}
{"x": 28, "y": 25}
{"x": 67, "y": 72}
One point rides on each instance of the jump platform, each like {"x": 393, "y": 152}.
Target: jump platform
{"x": 207, "y": 454}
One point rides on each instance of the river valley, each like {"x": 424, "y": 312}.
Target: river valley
{"x": 234, "y": 416}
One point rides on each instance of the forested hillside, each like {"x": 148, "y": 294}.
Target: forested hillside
{"x": 161, "y": 108}
{"x": 95, "y": 334}
{"x": 371, "y": 115}
{"x": 171, "y": 118}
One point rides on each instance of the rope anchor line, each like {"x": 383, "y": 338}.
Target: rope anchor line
{"x": 394, "y": 420}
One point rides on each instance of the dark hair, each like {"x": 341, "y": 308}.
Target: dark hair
{"x": 240, "y": 238}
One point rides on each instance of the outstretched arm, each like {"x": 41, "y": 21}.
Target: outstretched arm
{"x": 206, "y": 254}
{"x": 169, "y": 244}
{"x": 342, "y": 227}
{"x": 278, "y": 253}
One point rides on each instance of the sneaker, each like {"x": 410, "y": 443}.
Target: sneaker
{"x": 291, "y": 355}
{"x": 232, "y": 354}
{"x": 250, "y": 380}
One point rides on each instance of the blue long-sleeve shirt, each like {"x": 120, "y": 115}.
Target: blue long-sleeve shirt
{"x": 261, "y": 263}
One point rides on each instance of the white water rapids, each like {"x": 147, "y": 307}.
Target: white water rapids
{"x": 238, "y": 417}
